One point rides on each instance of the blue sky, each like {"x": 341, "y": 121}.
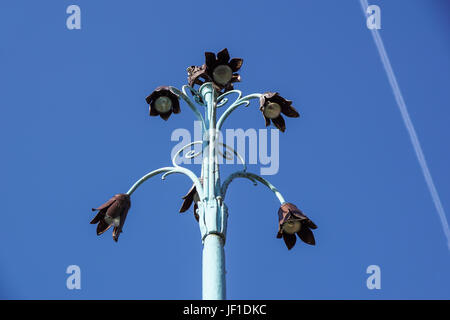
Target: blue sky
{"x": 75, "y": 130}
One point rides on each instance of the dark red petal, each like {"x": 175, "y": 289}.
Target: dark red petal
{"x": 278, "y": 99}
{"x": 287, "y": 206}
{"x": 289, "y": 111}
{"x": 223, "y": 56}
{"x": 188, "y": 199}
{"x": 116, "y": 233}
{"x": 306, "y": 235}
{"x": 310, "y": 224}
{"x": 299, "y": 214}
{"x": 151, "y": 97}
{"x": 166, "y": 115}
{"x": 121, "y": 205}
{"x": 228, "y": 87}
{"x": 115, "y": 210}
{"x": 123, "y": 197}
{"x": 289, "y": 240}
{"x": 122, "y": 222}
{"x": 236, "y": 78}
{"x": 160, "y": 91}
{"x": 176, "y": 105}
{"x": 279, "y": 123}
{"x": 210, "y": 59}
{"x": 153, "y": 112}
{"x": 267, "y": 120}
{"x": 106, "y": 204}
{"x": 102, "y": 227}
{"x": 235, "y": 64}
{"x": 99, "y": 216}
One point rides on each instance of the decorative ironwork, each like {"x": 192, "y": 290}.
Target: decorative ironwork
{"x": 190, "y": 155}
{"x": 252, "y": 177}
{"x": 215, "y": 79}
{"x": 167, "y": 171}
{"x": 238, "y": 102}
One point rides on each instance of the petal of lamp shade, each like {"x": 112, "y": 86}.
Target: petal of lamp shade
{"x": 191, "y": 197}
{"x": 289, "y": 240}
{"x": 306, "y": 235}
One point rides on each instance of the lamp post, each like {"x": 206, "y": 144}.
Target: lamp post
{"x": 215, "y": 80}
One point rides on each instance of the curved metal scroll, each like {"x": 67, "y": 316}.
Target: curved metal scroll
{"x": 191, "y": 154}
{"x": 167, "y": 171}
{"x": 252, "y": 177}
{"x": 222, "y": 100}
{"x": 226, "y": 155}
{"x": 186, "y": 98}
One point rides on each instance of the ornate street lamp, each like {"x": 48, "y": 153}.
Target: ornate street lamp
{"x": 215, "y": 79}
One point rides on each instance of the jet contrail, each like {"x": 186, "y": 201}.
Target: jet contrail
{"x": 409, "y": 126}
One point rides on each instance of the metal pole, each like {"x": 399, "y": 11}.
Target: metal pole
{"x": 213, "y": 273}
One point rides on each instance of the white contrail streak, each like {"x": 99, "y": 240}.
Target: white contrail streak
{"x": 409, "y": 126}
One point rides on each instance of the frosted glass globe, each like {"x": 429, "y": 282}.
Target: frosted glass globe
{"x": 163, "y": 104}
{"x": 272, "y": 110}
{"x": 292, "y": 226}
{"x": 222, "y": 74}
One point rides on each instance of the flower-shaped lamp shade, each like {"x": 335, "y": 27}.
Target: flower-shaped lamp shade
{"x": 292, "y": 221}
{"x": 189, "y": 198}
{"x": 272, "y": 105}
{"x": 220, "y": 69}
{"x": 112, "y": 213}
{"x": 163, "y": 102}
